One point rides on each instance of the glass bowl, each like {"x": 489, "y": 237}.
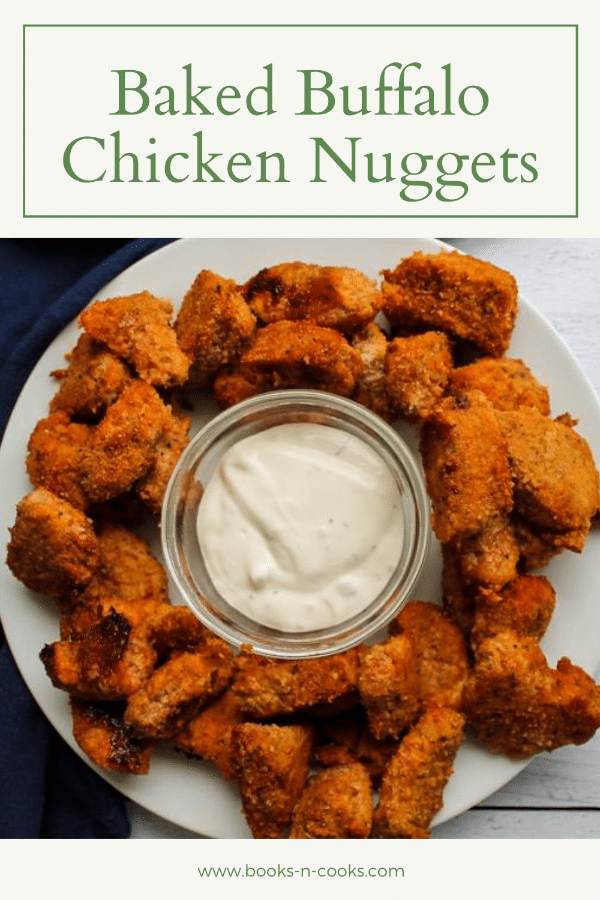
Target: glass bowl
{"x": 200, "y": 460}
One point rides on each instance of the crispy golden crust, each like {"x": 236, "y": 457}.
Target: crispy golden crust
{"x": 412, "y": 786}
{"x": 92, "y": 381}
{"x": 336, "y": 803}
{"x": 524, "y": 606}
{"x": 214, "y": 326}
{"x": 169, "y": 447}
{"x": 140, "y": 615}
{"x": 466, "y": 466}
{"x": 271, "y": 765}
{"x": 176, "y": 690}
{"x": 417, "y": 369}
{"x": 175, "y": 629}
{"x": 233, "y": 387}
{"x": 439, "y": 650}
{"x": 516, "y": 704}
{"x": 389, "y": 690}
{"x": 331, "y": 296}
{"x": 57, "y": 457}
{"x": 53, "y": 549}
{"x": 538, "y": 546}
{"x": 267, "y": 687}
{"x": 209, "y": 734}
{"x": 507, "y": 383}
{"x": 107, "y": 741}
{"x": 556, "y": 480}
{"x": 450, "y": 292}
{"x": 371, "y": 388}
{"x": 490, "y": 557}
{"x": 137, "y": 329}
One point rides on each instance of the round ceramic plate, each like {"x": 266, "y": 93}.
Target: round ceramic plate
{"x": 191, "y": 793}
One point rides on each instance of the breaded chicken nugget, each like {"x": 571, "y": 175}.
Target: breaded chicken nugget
{"x": 302, "y": 355}
{"x": 53, "y": 549}
{"x": 169, "y": 447}
{"x": 233, "y": 387}
{"x": 209, "y": 734}
{"x": 331, "y": 296}
{"x": 524, "y": 606}
{"x": 458, "y": 597}
{"x": 176, "y": 690}
{"x": 371, "y": 388}
{"x": 137, "y": 328}
{"x": 556, "y": 480}
{"x": 439, "y": 651}
{"x": 92, "y": 381}
{"x": 413, "y": 784}
{"x": 271, "y": 766}
{"x": 214, "y": 326}
{"x": 176, "y": 629}
{"x": 57, "y": 457}
{"x": 76, "y": 623}
{"x": 516, "y": 704}
{"x": 466, "y": 466}
{"x": 417, "y": 369}
{"x": 507, "y": 383}
{"x": 267, "y": 687}
{"x": 336, "y": 803}
{"x": 490, "y": 557}
{"x": 125, "y": 443}
{"x": 107, "y": 741}
{"x": 538, "y": 546}
{"x": 388, "y": 686}
{"x": 450, "y": 292}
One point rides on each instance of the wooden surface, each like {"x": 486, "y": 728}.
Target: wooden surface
{"x": 558, "y": 794}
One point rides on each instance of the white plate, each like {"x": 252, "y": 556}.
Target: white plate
{"x": 191, "y": 793}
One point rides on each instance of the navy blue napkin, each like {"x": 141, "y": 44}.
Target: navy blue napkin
{"x": 46, "y": 791}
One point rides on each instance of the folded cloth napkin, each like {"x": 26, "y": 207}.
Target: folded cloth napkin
{"x": 46, "y": 791}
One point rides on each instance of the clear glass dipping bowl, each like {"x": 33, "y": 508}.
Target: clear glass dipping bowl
{"x": 200, "y": 460}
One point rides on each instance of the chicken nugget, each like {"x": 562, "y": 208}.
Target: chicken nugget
{"x": 214, "y": 326}
{"x": 538, "y": 546}
{"x": 389, "y": 691}
{"x": 336, "y": 803}
{"x": 125, "y": 442}
{"x": 107, "y": 741}
{"x": 556, "y": 480}
{"x": 458, "y": 597}
{"x": 140, "y": 614}
{"x": 233, "y": 387}
{"x": 53, "y": 549}
{"x": 417, "y": 369}
{"x": 524, "y": 606}
{"x": 271, "y": 766}
{"x": 208, "y": 735}
{"x": 169, "y": 447}
{"x": 137, "y": 328}
{"x": 490, "y": 557}
{"x": 371, "y": 388}
{"x": 413, "y": 784}
{"x": 267, "y": 687}
{"x": 177, "y": 689}
{"x": 439, "y": 651}
{"x": 92, "y": 381}
{"x": 175, "y": 629}
{"x": 507, "y": 383}
{"x": 465, "y": 458}
{"x": 332, "y": 296}
{"x": 57, "y": 457}
{"x": 302, "y": 355}
{"x": 450, "y": 292}
{"x": 518, "y": 705}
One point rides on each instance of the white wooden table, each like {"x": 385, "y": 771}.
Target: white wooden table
{"x": 558, "y": 794}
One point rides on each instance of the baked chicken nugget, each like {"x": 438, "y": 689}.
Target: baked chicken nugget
{"x": 371, "y": 388}
{"x": 466, "y": 466}
{"x": 336, "y": 803}
{"x": 169, "y": 447}
{"x": 57, "y": 457}
{"x": 92, "y": 381}
{"x": 267, "y": 687}
{"x": 177, "y": 689}
{"x": 524, "y": 606}
{"x": 137, "y": 328}
{"x": 556, "y": 480}
{"x": 53, "y": 549}
{"x": 518, "y": 705}
{"x": 331, "y": 296}
{"x": 449, "y": 292}
{"x": 507, "y": 383}
{"x": 389, "y": 690}
{"x": 208, "y": 735}
{"x": 214, "y": 326}
{"x": 271, "y": 766}
{"x": 107, "y": 741}
{"x": 439, "y": 651}
{"x": 413, "y": 783}
{"x": 417, "y": 369}
{"x": 490, "y": 557}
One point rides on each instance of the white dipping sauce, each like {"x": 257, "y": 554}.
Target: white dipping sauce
{"x": 300, "y": 527}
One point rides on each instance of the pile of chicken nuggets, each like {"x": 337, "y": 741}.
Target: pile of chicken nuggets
{"x": 361, "y": 743}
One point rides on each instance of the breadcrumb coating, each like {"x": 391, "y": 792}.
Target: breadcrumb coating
{"x": 335, "y": 804}
{"x": 507, "y": 383}
{"x": 107, "y": 741}
{"x": 417, "y": 369}
{"x": 58, "y": 457}
{"x": 388, "y": 686}
{"x": 92, "y": 381}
